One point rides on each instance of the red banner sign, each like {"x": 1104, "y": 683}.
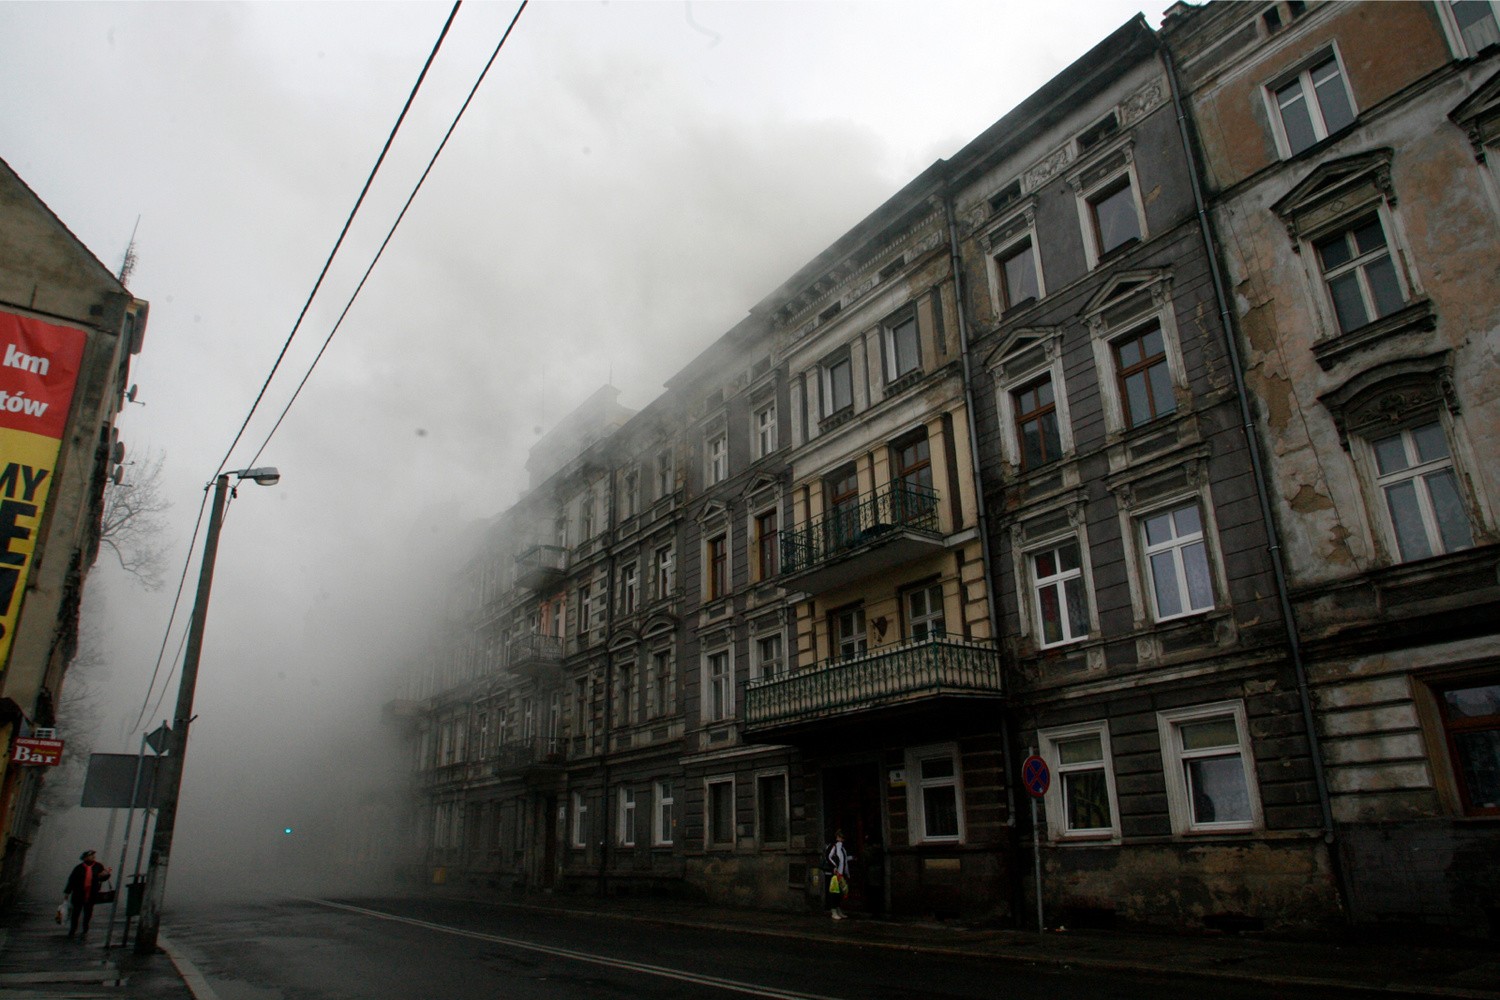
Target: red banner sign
{"x": 30, "y": 750}
{"x": 39, "y": 365}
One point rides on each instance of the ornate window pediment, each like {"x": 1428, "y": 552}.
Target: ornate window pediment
{"x": 1334, "y": 190}
{"x": 1127, "y": 295}
{"x": 1389, "y": 395}
{"x": 1479, "y": 116}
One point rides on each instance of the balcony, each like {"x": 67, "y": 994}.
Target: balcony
{"x": 891, "y": 527}
{"x": 539, "y": 756}
{"x": 541, "y": 566}
{"x": 930, "y": 674}
{"x": 536, "y": 656}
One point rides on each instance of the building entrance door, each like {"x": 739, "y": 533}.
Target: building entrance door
{"x": 851, "y": 802}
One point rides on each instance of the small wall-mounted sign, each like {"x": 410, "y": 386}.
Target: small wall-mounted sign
{"x": 898, "y": 777}
{"x": 31, "y": 750}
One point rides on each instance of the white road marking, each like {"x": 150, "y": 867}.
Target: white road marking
{"x": 732, "y": 985}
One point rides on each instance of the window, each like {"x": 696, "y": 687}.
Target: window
{"x": 717, "y": 568}
{"x": 914, "y": 463}
{"x": 661, "y": 818}
{"x": 627, "y": 695}
{"x": 838, "y": 384}
{"x": 1036, "y": 423}
{"x": 903, "y": 347}
{"x": 718, "y": 687}
{"x": 1098, "y": 132}
{"x": 630, "y": 501}
{"x": 1144, "y": 376}
{"x": 580, "y": 820}
{"x": 767, "y": 545}
{"x": 768, "y": 658}
{"x": 849, "y": 632}
{"x": 664, "y": 567}
{"x": 662, "y": 701}
{"x": 1312, "y": 104}
{"x": 586, "y": 517}
{"x": 718, "y": 458}
{"x": 1416, "y": 482}
{"x": 1062, "y": 606}
{"x": 1477, "y": 25}
{"x": 1017, "y": 268}
{"x": 924, "y": 612}
{"x": 630, "y": 586}
{"x": 841, "y": 527}
{"x": 771, "y": 808}
{"x": 665, "y": 479}
{"x": 1113, "y": 214}
{"x": 1177, "y": 562}
{"x": 1081, "y": 799}
{"x": 765, "y": 430}
{"x": 936, "y": 813}
{"x": 719, "y": 813}
{"x": 625, "y": 832}
{"x": 1210, "y": 776}
{"x": 585, "y": 607}
{"x": 1471, "y": 722}
{"x": 1359, "y": 273}
{"x": 915, "y": 501}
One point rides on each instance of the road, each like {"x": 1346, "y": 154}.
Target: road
{"x": 385, "y": 949}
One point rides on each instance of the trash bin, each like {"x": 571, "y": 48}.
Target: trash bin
{"x": 135, "y": 891}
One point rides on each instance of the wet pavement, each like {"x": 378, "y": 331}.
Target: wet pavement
{"x": 38, "y": 960}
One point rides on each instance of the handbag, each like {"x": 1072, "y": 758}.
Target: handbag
{"x": 104, "y": 896}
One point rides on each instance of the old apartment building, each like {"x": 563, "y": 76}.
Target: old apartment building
{"x": 1147, "y": 433}
{"x": 1349, "y": 158}
{"x": 68, "y": 330}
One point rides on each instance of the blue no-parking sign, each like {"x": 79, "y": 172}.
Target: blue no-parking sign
{"x": 1036, "y": 776}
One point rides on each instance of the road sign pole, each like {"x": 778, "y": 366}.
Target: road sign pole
{"x": 1036, "y": 853}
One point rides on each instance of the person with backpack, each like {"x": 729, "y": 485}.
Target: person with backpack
{"x": 836, "y": 863}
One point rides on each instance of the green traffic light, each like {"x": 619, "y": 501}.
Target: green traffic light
{"x": 287, "y": 830}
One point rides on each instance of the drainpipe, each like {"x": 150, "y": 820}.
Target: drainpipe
{"x": 1294, "y": 640}
{"x": 609, "y": 687}
{"x": 981, "y": 516}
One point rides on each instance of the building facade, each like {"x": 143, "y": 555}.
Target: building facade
{"x": 1349, "y": 161}
{"x": 1145, "y": 435}
{"x": 69, "y": 329}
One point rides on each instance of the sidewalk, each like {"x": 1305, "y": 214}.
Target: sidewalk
{"x": 37, "y": 960}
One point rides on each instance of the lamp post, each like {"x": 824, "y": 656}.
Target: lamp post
{"x": 172, "y": 761}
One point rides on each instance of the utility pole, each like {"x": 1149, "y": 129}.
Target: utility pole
{"x": 172, "y": 761}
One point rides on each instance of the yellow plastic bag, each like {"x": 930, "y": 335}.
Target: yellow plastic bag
{"x": 838, "y": 885}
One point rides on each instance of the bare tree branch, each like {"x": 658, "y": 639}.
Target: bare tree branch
{"x": 132, "y": 523}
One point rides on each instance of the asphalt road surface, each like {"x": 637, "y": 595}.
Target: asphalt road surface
{"x": 399, "y": 949}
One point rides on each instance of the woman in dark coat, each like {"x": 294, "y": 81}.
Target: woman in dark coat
{"x": 85, "y": 883}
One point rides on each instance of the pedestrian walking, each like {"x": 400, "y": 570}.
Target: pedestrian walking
{"x": 85, "y": 888}
{"x": 837, "y": 863}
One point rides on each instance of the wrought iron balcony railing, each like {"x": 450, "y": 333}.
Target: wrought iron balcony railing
{"x": 521, "y": 755}
{"x": 533, "y": 654}
{"x": 915, "y": 670}
{"x": 541, "y": 566}
{"x": 849, "y": 526}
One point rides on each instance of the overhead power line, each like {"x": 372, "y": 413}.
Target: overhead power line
{"x": 394, "y": 225}
{"x": 192, "y": 543}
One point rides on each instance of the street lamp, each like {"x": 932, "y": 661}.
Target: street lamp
{"x": 170, "y": 775}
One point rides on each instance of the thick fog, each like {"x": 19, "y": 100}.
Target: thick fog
{"x": 628, "y": 181}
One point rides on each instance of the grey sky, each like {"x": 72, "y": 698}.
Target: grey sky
{"x": 631, "y": 178}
